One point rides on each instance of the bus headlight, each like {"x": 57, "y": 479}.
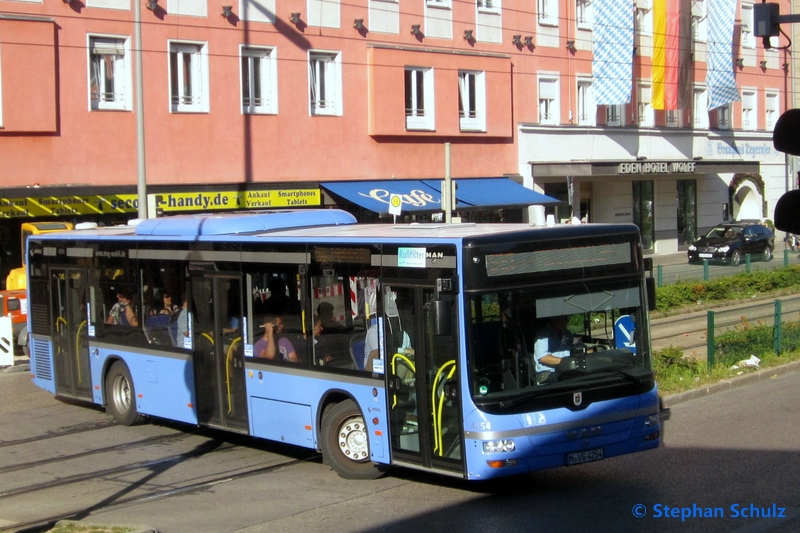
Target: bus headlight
{"x": 651, "y": 421}
{"x": 495, "y": 446}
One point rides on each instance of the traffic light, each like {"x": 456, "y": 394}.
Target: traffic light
{"x": 766, "y": 19}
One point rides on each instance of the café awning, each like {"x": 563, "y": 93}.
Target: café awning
{"x": 426, "y": 195}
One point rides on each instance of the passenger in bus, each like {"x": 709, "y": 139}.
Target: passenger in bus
{"x": 167, "y": 307}
{"x": 325, "y": 313}
{"x": 274, "y": 346}
{"x": 182, "y": 323}
{"x": 122, "y": 313}
{"x": 553, "y": 342}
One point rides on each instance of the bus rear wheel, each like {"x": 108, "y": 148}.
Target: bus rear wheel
{"x": 121, "y": 396}
{"x": 345, "y": 442}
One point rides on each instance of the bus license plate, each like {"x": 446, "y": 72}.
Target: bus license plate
{"x": 584, "y": 457}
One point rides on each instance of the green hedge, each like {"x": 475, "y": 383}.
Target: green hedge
{"x": 743, "y": 285}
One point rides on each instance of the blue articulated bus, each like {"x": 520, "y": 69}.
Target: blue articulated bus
{"x": 469, "y": 350}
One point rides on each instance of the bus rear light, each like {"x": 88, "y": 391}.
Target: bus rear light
{"x": 502, "y": 463}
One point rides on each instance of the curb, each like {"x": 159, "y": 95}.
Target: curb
{"x": 19, "y": 367}
{"x": 727, "y": 384}
{"x": 78, "y": 527}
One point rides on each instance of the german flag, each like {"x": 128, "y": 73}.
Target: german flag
{"x": 666, "y": 53}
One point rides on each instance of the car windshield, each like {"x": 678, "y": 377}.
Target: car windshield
{"x": 598, "y": 330}
{"x": 724, "y": 232}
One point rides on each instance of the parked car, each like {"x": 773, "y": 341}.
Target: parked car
{"x": 730, "y": 241}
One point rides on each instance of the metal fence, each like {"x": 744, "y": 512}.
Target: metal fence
{"x": 733, "y": 335}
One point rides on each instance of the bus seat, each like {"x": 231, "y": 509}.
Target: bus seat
{"x": 357, "y": 343}
{"x": 157, "y": 330}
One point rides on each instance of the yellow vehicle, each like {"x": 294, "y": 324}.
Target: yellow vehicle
{"x": 16, "y": 278}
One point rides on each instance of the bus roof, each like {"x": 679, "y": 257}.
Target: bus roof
{"x": 319, "y": 224}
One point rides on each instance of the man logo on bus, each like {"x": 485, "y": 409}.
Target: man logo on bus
{"x": 577, "y": 398}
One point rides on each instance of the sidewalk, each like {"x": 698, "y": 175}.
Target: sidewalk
{"x": 21, "y": 364}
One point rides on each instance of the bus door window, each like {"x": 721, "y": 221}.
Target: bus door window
{"x": 400, "y": 318}
{"x": 441, "y": 352}
{"x": 70, "y": 332}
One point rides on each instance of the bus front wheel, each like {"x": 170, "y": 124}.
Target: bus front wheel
{"x": 120, "y": 395}
{"x": 345, "y": 442}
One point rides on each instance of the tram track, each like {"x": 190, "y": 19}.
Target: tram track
{"x": 107, "y": 449}
{"x": 64, "y": 432}
{"x": 42, "y": 524}
{"x": 688, "y": 331}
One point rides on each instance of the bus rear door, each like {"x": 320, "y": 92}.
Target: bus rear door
{"x": 69, "y": 289}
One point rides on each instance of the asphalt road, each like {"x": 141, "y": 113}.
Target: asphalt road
{"x": 61, "y": 460}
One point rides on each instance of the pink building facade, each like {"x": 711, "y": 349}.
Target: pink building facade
{"x": 256, "y": 103}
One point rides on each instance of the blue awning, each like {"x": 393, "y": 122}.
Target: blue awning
{"x": 426, "y": 195}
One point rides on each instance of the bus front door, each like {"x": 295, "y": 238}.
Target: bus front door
{"x": 218, "y": 352}
{"x": 422, "y": 375}
{"x": 69, "y": 290}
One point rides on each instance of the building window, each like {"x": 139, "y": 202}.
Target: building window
{"x": 645, "y": 114}
{"x": 748, "y": 39}
{"x": 700, "y": 108}
{"x": 583, "y": 14}
{"x": 492, "y": 6}
{"x": 548, "y": 12}
{"x": 749, "y": 115}
{"x": 548, "y": 101}
{"x": 188, "y": 63}
{"x": 687, "y": 212}
{"x": 259, "y": 87}
{"x": 674, "y": 118}
{"x": 699, "y": 21}
{"x": 615, "y": 115}
{"x": 644, "y": 18}
{"x": 472, "y": 101}
{"x": 109, "y": 78}
{"x": 419, "y": 98}
{"x": 724, "y": 117}
{"x": 325, "y": 83}
{"x": 444, "y": 4}
{"x": 643, "y": 215}
{"x": 587, "y": 110}
{"x": 770, "y": 110}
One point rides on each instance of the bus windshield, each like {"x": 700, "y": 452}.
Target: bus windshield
{"x": 529, "y": 342}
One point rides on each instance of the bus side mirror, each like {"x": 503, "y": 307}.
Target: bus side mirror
{"x": 442, "y": 316}
{"x": 787, "y": 212}
{"x": 786, "y": 134}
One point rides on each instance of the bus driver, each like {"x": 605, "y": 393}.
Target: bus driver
{"x": 553, "y": 342}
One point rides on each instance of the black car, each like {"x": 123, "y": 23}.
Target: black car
{"x": 730, "y": 241}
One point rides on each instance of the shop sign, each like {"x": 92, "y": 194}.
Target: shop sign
{"x": 658, "y": 167}
{"x": 48, "y": 206}
{"x": 209, "y": 201}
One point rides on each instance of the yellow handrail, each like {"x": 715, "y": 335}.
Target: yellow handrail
{"x": 437, "y": 422}
{"x": 78, "y": 349}
{"x": 228, "y": 361}
{"x": 407, "y": 361}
